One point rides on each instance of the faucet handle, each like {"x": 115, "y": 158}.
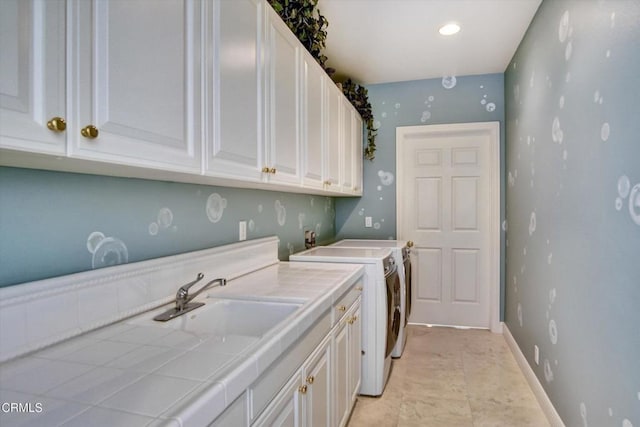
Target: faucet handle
{"x": 184, "y": 289}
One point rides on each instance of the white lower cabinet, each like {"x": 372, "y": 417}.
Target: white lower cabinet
{"x": 316, "y": 387}
{"x": 347, "y": 357}
{"x": 285, "y": 409}
{"x": 322, "y": 390}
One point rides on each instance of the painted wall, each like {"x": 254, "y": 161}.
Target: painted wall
{"x": 421, "y": 102}
{"x": 55, "y": 223}
{"x": 572, "y": 94}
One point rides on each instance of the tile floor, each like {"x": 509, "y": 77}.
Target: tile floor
{"x": 452, "y": 377}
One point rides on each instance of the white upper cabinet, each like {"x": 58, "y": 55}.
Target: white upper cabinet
{"x": 211, "y": 92}
{"x": 282, "y": 99}
{"x": 135, "y": 83}
{"x": 32, "y": 76}
{"x": 233, "y": 84}
{"x": 313, "y": 122}
{"x": 333, "y": 166}
{"x": 358, "y": 152}
{"x": 347, "y": 146}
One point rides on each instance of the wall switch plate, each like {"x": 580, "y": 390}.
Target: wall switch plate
{"x": 536, "y": 354}
{"x": 242, "y": 230}
{"x": 368, "y": 222}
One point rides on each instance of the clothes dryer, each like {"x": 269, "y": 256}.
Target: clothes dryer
{"x": 381, "y": 317}
{"x": 401, "y": 251}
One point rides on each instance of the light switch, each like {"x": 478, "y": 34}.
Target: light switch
{"x": 368, "y": 222}
{"x": 242, "y": 230}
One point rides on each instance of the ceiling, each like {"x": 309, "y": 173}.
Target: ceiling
{"x": 379, "y": 41}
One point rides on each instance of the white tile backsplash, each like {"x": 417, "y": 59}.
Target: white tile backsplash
{"x": 13, "y": 328}
{"x": 96, "y": 303}
{"x": 55, "y": 316}
{"x": 34, "y": 315}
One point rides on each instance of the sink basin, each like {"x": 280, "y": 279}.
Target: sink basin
{"x": 230, "y": 317}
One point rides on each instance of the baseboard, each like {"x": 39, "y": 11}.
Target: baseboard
{"x": 544, "y": 401}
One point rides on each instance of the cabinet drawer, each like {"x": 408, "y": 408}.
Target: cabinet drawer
{"x": 267, "y": 386}
{"x": 345, "y": 301}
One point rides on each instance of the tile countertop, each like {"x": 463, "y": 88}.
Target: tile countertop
{"x": 133, "y": 374}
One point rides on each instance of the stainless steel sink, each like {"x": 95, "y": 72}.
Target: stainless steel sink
{"x": 229, "y": 317}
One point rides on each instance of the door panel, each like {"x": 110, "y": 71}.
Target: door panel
{"x": 234, "y": 85}
{"x": 448, "y": 173}
{"x": 32, "y": 74}
{"x": 138, "y": 82}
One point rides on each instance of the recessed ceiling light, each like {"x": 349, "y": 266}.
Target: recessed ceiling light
{"x": 449, "y": 29}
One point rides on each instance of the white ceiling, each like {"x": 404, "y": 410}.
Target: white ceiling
{"x": 378, "y": 41}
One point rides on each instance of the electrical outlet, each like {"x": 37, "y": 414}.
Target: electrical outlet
{"x": 368, "y": 222}
{"x": 536, "y": 354}
{"x": 242, "y": 230}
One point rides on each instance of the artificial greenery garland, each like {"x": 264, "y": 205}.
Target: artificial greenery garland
{"x": 306, "y": 22}
{"x": 310, "y": 26}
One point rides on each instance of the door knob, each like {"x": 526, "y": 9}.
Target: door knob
{"x": 272, "y": 170}
{"x": 409, "y": 244}
{"x": 303, "y": 389}
{"x": 310, "y": 379}
{"x": 57, "y": 124}
{"x": 341, "y": 308}
{"x": 89, "y": 131}
{"x": 265, "y": 170}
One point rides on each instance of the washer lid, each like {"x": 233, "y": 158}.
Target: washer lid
{"x": 333, "y": 252}
{"x": 369, "y": 243}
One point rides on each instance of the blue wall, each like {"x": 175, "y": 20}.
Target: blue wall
{"x": 572, "y": 93}
{"x": 55, "y": 223}
{"x": 420, "y": 102}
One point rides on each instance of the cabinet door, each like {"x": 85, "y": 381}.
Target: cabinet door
{"x": 333, "y": 143}
{"x": 32, "y": 75}
{"x": 283, "y": 101}
{"x": 347, "y": 146}
{"x": 233, "y": 84}
{"x": 317, "y": 402}
{"x": 355, "y": 351}
{"x": 357, "y": 134}
{"x": 284, "y": 410}
{"x": 313, "y": 135}
{"x": 136, "y": 69}
{"x": 342, "y": 379}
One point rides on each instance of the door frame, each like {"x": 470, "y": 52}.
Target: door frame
{"x": 493, "y": 130}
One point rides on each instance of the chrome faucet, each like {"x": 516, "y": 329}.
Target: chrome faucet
{"x": 183, "y": 298}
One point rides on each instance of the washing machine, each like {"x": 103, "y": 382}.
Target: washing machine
{"x": 381, "y": 317}
{"x": 400, "y": 249}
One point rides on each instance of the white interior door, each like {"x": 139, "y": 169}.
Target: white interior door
{"x": 446, "y": 180}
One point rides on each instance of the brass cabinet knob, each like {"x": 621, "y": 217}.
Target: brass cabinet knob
{"x": 303, "y": 389}
{"x": 409, "y": 244}
{"x": 327, "y": 183}
{"x": 351, "y": 320}
{"x": 57, "y": 124}
{"x": 265, "y": 169}
{"x": 310, "y": 379}
{"x": 89, "y": 131}
{"x": 341, "y": 308}
{"x": 358, "y": 288}
{"x": 272, "y": 170}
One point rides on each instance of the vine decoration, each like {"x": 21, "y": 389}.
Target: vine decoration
{"x": 307, "y": 23}
{"x": 310, "y": 26}
{"x": 359, "y": 98}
